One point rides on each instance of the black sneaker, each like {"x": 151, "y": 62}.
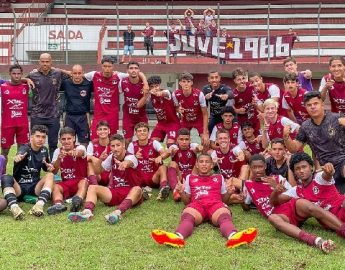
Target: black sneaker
{"x": 56, "y": 209}
{"x": 163, "y": 193}
{"x": 77, "y": 203}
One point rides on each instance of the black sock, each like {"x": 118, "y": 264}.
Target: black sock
{"x": 44, "y": 195}
{"x": 11, "y": 199}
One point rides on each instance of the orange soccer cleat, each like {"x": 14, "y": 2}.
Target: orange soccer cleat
{"x": 167, "y": 238}
{"x": 243, "y": 237}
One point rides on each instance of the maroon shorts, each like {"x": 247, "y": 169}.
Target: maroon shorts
{"x": 118, "y": 195}
{"x": 105, "y": 178}
{"x": 129, "y": 123}
{"x": 339, "y": 212}
{"x": 8, "y": 133}
{"x": 147, "y": 181}
{"x": 288, "y": 209}
{"x": 207, "y": 209}
{"x": 163, "y": 129}
{"x": 197, "y": 125}
{"x": 69, "y": 187}
{"x": 113, "y": 124}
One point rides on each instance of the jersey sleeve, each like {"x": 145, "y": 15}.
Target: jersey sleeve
{"x": 56, "y": 154}
{"x": 239, "y": 136}
{"x": 214, "y": 156}
{"x": 322, "y": 84}
{"x": 157, "y": 146}
{"x": 274, "y": 91}
{"x": 202, "y": 99}
{"x": 23, "y": 149}
{"x": 175, "y": 100}
{"x": 89, "y": 150}
{"x": 291, "y": 192}
{"x": 247, "y": 198}
{"x": 186, "y": 185}
{"x": 106, "y": 164}
{"x": 133, "y": 159}
{"x": 223, "y": 187}
{"x": 194, "y": 146}
{"x": 168, "y": 97}
{"x": 284, "y": 182}
{"x": 213, "y": 134}
{"x": 319, "y": 179}
{"x": 286, "y": 121}
{"x": 130, "y": 148}
{"x": 122, "y": 75}
{"x": 89, "y": 75}
{"x": 285, "y": 105}
{"x": 236, "y": 150}
{"x": 82, "y": 148}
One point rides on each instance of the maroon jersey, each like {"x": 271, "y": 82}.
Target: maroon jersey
{"x": 320, "y": 192}
{"x": 262, "y": 96}
{"x": 244, "y": 100}
{"x": 106, "y": 91}
{"x": 72, "y": 168}
{"x": 120, "y": 178}
{"x": 276, "y": 129}
{"x": 148, "y": 31}
{"x": 146, "y": 165}
{"x": 296, "y": 104}
{"x": 205, "y": 188}
{"x": 165, "y": 109}
{"x": 98, "y": 149}
{"x": 229, "y": 165}
{"x": 233, "y": 132}
{"x": 14, "y": 102}
{"x": 132, "y": 94}
{"x": 254, "y": 147}
{"x": 185, "y": 160}
{"x": 336, "y": 95}
{"x": 191, "y": 106}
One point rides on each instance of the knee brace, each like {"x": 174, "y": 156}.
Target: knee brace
{"x": 7, "y": 181}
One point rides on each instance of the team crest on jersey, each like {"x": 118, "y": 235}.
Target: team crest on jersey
{"x": 196, "y": 102}
{"x": 279, "y": 130}
{"x": 114, "y": 82}
{"x": 189, "y": 155}
{"x": 195, "y": 180}
{"x": 24, "y": 91}
{"x": 331, "y": 131}
{"x": 6, "y": 92}
{"x": 316, "y": 190}
{"x": 3, "y": 140}
{"x": 83, "y": 93}
{"x": 126, "y": 90}
{"x": 215, "y": 179}
{"x": 179, "y": 155}
{"x": 54, "y": 81}
{"x": 150, "y": 152}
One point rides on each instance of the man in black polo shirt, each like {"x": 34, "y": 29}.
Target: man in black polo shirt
{"x": 45, "y": 99}
{"x": 77, "y": 98}
{"x": 325, "y": 133}
{"x": 217, "y": 96}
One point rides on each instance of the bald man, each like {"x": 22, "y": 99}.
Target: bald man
{"x": 45, "y": 99}
{"x": 77, "y": 99}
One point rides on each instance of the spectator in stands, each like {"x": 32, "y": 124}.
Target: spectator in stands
{"x": 209, "y": 15}
{"x": 304, "y": 77}
{"x": 294, "y": 36}
{"x": 128, "y": 38}
{"x": 188, "y": 22}
{"x": 45, "y": 99}
{"x": 148, "y": 33}
{"x": 201, "y": 28}
{"x": 173, "y": 29}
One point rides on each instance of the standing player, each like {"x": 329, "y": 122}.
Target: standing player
{"x": 121, "y": 191}
{"x": 293, "y": 99}
{"x": 14, "y": 111}
{"x": 191, "y": 104}
{"x": 106, "y": 93}
{"x": 229, "y": 123}
{"x": 289, "y": 216}
{"x": 333, "y": 84}
{"x": 150, "y": 155}
{"x": 71, "y": 161}
{"x": 77, "y": 96}
{"x": 135, "y": 97}
{"x": 217, "y": 96}
{"x": 204, "y": 195}
{"x": 304, "y": 77}
{"x": 98, "y": 149}
{"x": 26, "y": 180}
{"x": 325, "y": 134}
{"x": 244, "y": 96}
{"x": 183, "y": 158}
{"x": 167, "y": 122}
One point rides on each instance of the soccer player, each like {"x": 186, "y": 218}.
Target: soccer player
{"x": 106, "y": 94}
{"x": 287, "y": 217}
{"x": 273, "y": 123}
{"x": 168, "y": 123}
{"x": 217, "y": 96}
{"x": 333, "y": 84}
{"x": 318, "y": 188}
{"x": 77, "y": 97}
{"x": 293, "y": 99}
{"x": 183, "y": 158}
{"x": 325, "y": 134}
{"x": 135, "y": 98}
{"x": 191, "y": 105}
{"x": 244, "y": 96}
{"x": 229, "y": 123}
{"x": 122, "y": 189}
{"x": 99, "y": 149}
{"x": 71, "y": 160}
{"x": 250, "y": 144}
{"x": 14, "y": 111}
{"x": 304, "y": 77}
{"x": 150, "y": 155}
{"x": 26, "y": 180}
{"x": 204, "y": 195}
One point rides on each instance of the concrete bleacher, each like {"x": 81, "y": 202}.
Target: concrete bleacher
{"x": 240, "y": 20}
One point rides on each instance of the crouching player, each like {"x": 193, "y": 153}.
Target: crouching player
{"x": 204, "y": 194}
{"x": 28, "y": 162}
{"x": 121, "y": 190}
{"x": 150, "y": 155}
{"x": 71, "y": 161}
{"x": 183, "y": 158}
{"x": 289, "y": 216}
{"x": 98, "y": 149}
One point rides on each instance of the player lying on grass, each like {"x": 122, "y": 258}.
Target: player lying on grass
{"x": 204, "y": 195}
{"x": 289, "y": 216}
{"x": 122, "y": 189}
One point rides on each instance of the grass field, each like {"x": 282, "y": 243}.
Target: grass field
{"x": 52, "y": 242}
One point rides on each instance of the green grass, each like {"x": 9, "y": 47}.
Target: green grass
{"x": 52, "y": 242}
